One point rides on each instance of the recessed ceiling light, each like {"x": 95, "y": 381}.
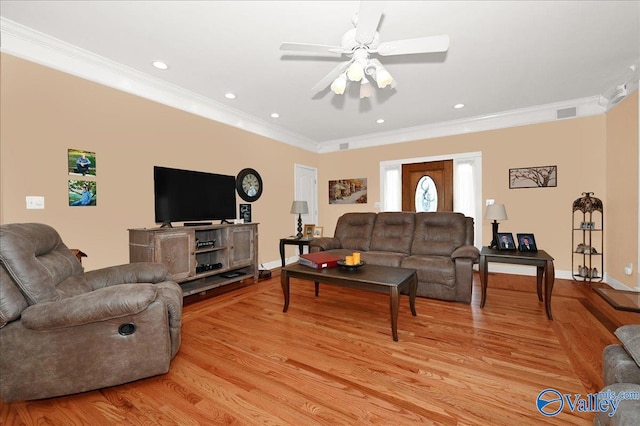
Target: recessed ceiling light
{"x": 275, "y": 115}
{"x": 458, "y": 106}
{"x": 160, "y": 65}
{"x": 229, "y": 95}
{"x": 379, "y": 121}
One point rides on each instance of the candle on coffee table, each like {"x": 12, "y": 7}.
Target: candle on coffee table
{"x": 356, "y": 258}
{"x": 348, "y": 260}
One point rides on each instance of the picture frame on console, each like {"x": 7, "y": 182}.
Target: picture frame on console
{"x": 317, "y": 232}
{"x": 527, "y": 242}
{"x": 505, "y": 241}
{"x": 308, "y": 230}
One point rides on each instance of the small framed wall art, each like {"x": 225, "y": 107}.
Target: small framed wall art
{"x": 533, "y": 177}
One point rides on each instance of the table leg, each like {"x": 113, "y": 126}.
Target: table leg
{"x": 483, "y": 279}
{"x": 539, "y": 274}
{"x": 549, "y": 278}
{"x": 413, "y": 289}
{"x": 395, "y": 305}
{"x": 282, "y": 252}
{"x": 317, "y": 283}
{"x": 284, "y": 282}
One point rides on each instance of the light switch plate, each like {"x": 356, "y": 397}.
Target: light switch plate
{"x": 35, "y": 202}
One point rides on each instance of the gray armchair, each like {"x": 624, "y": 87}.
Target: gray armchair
{"x": 621, "y": 374}
{"x": 63, "y": 331}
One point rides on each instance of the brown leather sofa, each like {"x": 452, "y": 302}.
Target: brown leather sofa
{"x": 438, "y": 245}
{"x": 63, "y": 331}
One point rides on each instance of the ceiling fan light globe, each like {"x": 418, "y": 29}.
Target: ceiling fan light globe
{"x": 355, "y": 71}
{"x": 383, "y": 78}
{"x": 365, "y": 89}
{"x": 339, "y": 85}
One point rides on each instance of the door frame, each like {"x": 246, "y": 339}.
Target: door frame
{"x": 475, "y": 155}
{"x": 311, "y": 198}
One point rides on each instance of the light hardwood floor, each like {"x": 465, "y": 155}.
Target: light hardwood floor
{"x": 331, "y": 360}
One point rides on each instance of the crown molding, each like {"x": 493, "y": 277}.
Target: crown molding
{"x": 538, "y": 114}
{"x": 45, "y": 50}
{"x": 34, "y": 46}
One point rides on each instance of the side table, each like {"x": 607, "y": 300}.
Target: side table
{"x": 293, "y": 241}
{"x": 540, "y": 259}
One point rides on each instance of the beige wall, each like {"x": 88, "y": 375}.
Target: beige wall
{"x": 45, "y": 112}
{"x": 621, "y": 210}
{"x": 573, "y": 145}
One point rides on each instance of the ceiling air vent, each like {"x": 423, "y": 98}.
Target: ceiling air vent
{"x": 619, "y": 94}
{"x": 566, "y": 113}
{"x": 344, "y": 146}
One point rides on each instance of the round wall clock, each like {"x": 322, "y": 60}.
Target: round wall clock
{"x": 249, "y": 185}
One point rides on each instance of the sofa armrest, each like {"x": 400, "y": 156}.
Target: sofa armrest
{"x": 469, "y": 252}
{"x": 99, "y": 305}
{"x": 141, "y": 272}
{"x": 325, "y": 243}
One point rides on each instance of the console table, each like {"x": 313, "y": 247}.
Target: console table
{"x": 294, "y": 241}
{"x": 540, "y": 259}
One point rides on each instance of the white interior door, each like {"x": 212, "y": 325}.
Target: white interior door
{"x": 306, "y": 189}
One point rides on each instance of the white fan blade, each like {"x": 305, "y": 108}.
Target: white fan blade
{"x": 368, "y": 19}
{"x": 414, "y": 45}
{"x": 317, "y": 48}
{"x": 328, "y": 79}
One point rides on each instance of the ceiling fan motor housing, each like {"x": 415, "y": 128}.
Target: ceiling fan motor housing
{"x": 350, "y": 44}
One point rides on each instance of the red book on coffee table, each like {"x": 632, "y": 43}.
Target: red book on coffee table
{"x": 319, "y": 260}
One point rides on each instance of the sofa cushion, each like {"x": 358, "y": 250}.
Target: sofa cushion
{"x": 37, "y": 260}
{"x": 432, "y": 269}
{"x": 629, "y": 336}
{"x": 11, "y": 301}
{"x": 393, "y": 231}
{"x": 438, "y": 233}
{"x": 354, "y": 230}
{"x": 384, "y": 258}
{"x": 618, "y": 366}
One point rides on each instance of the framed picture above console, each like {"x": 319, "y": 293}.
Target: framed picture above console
{"x": 245, "y": 212}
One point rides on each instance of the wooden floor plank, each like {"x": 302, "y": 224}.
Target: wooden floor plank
{"x": 330, "y": 360}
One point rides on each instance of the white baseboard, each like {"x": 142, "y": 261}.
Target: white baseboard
{"x": 618, "y": 285}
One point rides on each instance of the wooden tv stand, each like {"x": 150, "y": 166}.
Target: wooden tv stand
{"x": 199, "y": 258}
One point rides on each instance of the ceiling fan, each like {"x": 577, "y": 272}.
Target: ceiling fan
{"x": 358, "y": 44}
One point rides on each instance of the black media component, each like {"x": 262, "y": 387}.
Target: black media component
{"x": 205, "y": 244}
{"x": 208, "y": 267}
{"x": 187, "y": 195}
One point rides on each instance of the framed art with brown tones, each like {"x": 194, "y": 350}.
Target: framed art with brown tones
{"x": 308, "y": 230}
{"x": 533, "y": 177}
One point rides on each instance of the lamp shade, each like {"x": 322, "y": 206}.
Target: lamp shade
{"x": 299, "y": 207}
{"x": 495, "y": 212}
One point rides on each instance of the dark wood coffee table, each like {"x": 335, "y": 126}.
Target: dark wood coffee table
{"x": 382, "y": 279}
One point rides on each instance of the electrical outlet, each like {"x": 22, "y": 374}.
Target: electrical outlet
{"x": 35, "y": 202}
{"x": 489, "y": 201}
{"x": 628, "y": 270}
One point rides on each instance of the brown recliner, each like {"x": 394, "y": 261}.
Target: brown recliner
{"x": 63, "y": 331}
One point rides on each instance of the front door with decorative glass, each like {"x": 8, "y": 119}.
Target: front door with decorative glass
{"x": 427, "y": 186}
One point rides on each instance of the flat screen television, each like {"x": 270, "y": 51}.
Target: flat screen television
{"x": 187, "y": 195}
